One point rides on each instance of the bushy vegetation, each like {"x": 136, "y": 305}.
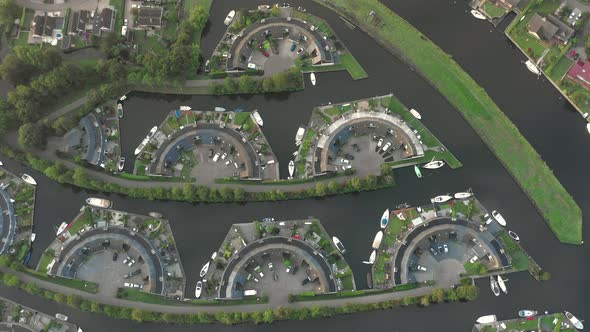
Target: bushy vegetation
{"x": 289, "y": 80}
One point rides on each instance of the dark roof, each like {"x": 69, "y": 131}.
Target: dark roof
{"x": 50, "y": 24}
{"x": 150, "y": 16}
{"x": 564, "y": 31}
{"x": 540, "y": 26}
{"x": 37, "y": 26}
{"x": 107, "y": 18}
{"x": 80, "y": 20}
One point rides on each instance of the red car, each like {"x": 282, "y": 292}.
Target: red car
{"x": 297, "y": 237}
{"x": 265, "y": 53}
{"x": 572, "y": 53}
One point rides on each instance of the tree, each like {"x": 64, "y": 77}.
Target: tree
{"x": 452, "y": 295}
{"x": 438, "y": 295}
{"x": 9, "y": 10}
{"x": 198, "y": 18}
{"x": 10, "y": 280}
{"x": 355, "y": 183}
{"x": 425, "y": 301}
{"x": 239, "y": 194}
{"x": 30, "y": 136}
{"x": 320, "y": 189}
{"x": 268, "y": 316}
{"x": 333, "y": 187}
{"x": 246, "y": 84}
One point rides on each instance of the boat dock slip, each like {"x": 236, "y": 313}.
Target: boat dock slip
{"x": 529, "y": 320}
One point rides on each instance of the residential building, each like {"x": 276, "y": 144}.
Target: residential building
{"x": 580, "y": 73}
{"x": 549, "y": 28}
{"x": 508, "y": 4}
{"x": 46, "y": 28}
{"x": 149, "y": 17}
{"x": 80, "y": 22}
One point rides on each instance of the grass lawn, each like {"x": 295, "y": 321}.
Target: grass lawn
{"x": 472, "y": 269}
{"x": 556, "y": 205}
{"x": 139, "y": 296}
{"x": 83, "y": 285}
{"x": 148, "y": 44}
{"x": 45, "y": 260}
{"x": 493, "y": 10}
{"x": 353, "y": 67}
{"x": 241, "y": 118}
{"x": 525, "y": 40}
{"x": 561, "y": 68}
{"x": 83, "y": 220}
{"x": 22, "y": 39}
{"x": 520, "y": 260}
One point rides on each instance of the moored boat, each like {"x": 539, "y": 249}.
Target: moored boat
{"x": 99, "y": 202}
{"x": 230, "y": 17}
{"x": 153, "y": 131}
{"x": 416, "y": 114}
{"x": 338, "y": 244}
{"x": 514, "y": 236}
{"x": 478, "y": 15}
{"x": 377, "y": 240}
{"x": 463, "y": 195}
{"x": 61, "y": 228}
{"x": 434, "y": 164}
{"x": 499, "y": 218}
{"x": 1, "y": 163}
{"x": 312, "y": 78}
{"x": 198, "y": 289}
{"x": 28, "y": 179}
{"x": 257, "y": 118}
{"x": 33, "y": 236}
{"x": 532, "y": 67}
{"x": 502, "y": 285}
{"x": 527, "y": 313}
{"x": 123, "y": 97}
{"x": 371, "y": 258}
{"x": 263, "y": 7}
{"x": 440, "y": 199}
{"x": 494, "y": 286}
{"x": 487, "y": 319}
{"x": 219, "y": 109}
{"x": 385, "y": 219}
{"x": 299, "y": 136}
{"x": 121, "y": 164}
{"x": 141, "y": 145}
{"x": 575, "y": 321}
{"x": 587, "y": 128}
{"x": 204, "y": 269}
{"x": 417, "y": 171}
{"x": 185, "y": 108}
{"x": 291, "y": 168}
{"x": 120, "y": 110}
{"x": 214, "y": 255}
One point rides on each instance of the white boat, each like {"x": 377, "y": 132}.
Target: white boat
{"x": 487, "y": 319}
{"x": 434, "y": 164}
{"x": 120, "y": 110}
{"x": 312, "y": 78}
{"x": 532, "y": 67}
{"x": 142, "y": 145}
{"x": 99, "y": 202}
{"x": 28, "y": 179}
{"x": 219, "y": 109}
{"x": 385, "y": 219}
{"x": 61, "y": 317}
{"x": 204, "y": 269}
{"x": 338, "y": 244}
{"x": 61, "y": 228}
{"x": 257, "y": 118}
{"x": 229, "y": 18}
{"x": 587, "y": 128}
{"x": 123, "y": 97}
{"x": 198, "y": 289}
{"x": 121, "y": 164}
{"x": 527, "y": 313}
{"x": 263, "y": 7}
{"x": 440, "y": 199}
{"x": 417, "y": 171}
{"x": 33, "y": 236}
{"x": 377, "y": 240}
{"x": 463, "y": 195}
{"x": 80, "y": 329}
{"x": 494, "y": 286}
{"x": 478, "y": 15}
{"x": 514, "y": 236}
{"x": 416, "y": 114}
{"x": 1, "y": 163}
{"x": 371, "y": 258}
{"x": 214, "y": 255}
{"x": 300, "y": 134}
{"x": 575, "y": 322}
{"x": 499, "y": 218}
{"x": 502, "y": 285}
{"x": 488, "y": 219}
{"x": 185, "y": 108}
{"x": 153, "y": 131}
{"x": 291, "y": 168}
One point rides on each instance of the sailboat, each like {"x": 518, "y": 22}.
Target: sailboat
{"x": 377, "y": 240}
{"x": 502, "y": 284}
{"x": 312, "y": 78}
{"x": 514, "y": 236}
{"x": 417, "y": 171}
{"x": 257, "y": 118}
{"x": 385, "y": 219}
{"x": 478, "y": 15}
{"x": 204, "y": 270}
{"x": 61, "y": 228}
{"x": 463, "y": 195}
{"x": 434, "y": 164}
{"x": 575, "y": 321}
{"x": 291, "y": 168}
{"x": 494, "y": 286}
{"x": 338, "y": 244}
{"x": 440, "y": 199}
{"x": 527, "y": 313}
{"x": 533, "y": 67}
{"x": 29, "y": 179}
{"x": 371, "y": 258}
{"x": 416, "y": 114}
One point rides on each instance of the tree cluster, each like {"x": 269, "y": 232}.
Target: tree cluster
{"x": 289, "y": 80}
{"x": 27, "y": 62}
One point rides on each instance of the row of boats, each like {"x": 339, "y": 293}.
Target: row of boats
{"x": 202, "y": 273}
{"x": 431, "y": 165}
{"x": 447, "y": 197}
{"x": 498, "y": 284}
{"x": 530, "y": 314}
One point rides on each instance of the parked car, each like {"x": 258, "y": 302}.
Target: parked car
{"x": 349, "y": 156}
{"x": 299, "y": 51}
{"x": 305, "y": 281}
{"x": 441, "y": 250}
{"x": 386, "y": 146}
{"x": 207, "y": 66}
{"x": 223, "y": 156}
{"x": 131, "y": 262}
{"x": 344, "y": 161}
{"x": 127, "y": 259}
{"x": 445, "y": 248}
{"x": 216, "y": 157}
{"x": 418, "y": 252}
{"x": 473, "y": 259}
{"x": 421, "y": 268}
{"x": 356, "y": 147}
{"x": 293, "y": 47}
{"x": 434, "y": 253}
{"x": 380, "y": 142}
{"x": 265, "y": 53}
{"x": 115, "y": 256}
{"x": 270, "y": 266}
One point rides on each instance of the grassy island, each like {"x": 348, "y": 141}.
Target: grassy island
{"x": 500, "y": 134}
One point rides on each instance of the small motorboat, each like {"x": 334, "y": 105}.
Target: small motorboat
{"x": 153, "y": 131}
{"x": 230, "y": 17}
{"x": 587, "y": 128}
{"x": 377, "y": 240}
{"x": 61, "y": 228}
{"x": 488, "y": 219}
{"x": 417, "y": 171}
{"x": 416, "y": 114}
{"x": 502, "y": 285}
{"x": 371, "y": 258}
{"x": 33, "y": 236}
{"x": 156, "y": 215}
{"x": 532, "y": 67}
{"x": 338, "y": 244}
{"x": 61, "y": 317}
{"x": 28, "y": 179}
{"x": 312, "y": 78}
{"x": 434, "y": 164}
{"x": 204, "y": 269}
{"x": 219, "y": 109}
{"x": 121, "y": 164}
{"x": 291, "y": 168}
{"x": 141, "y": 146}
{"x": 263, "y": 7}
{"x": 198, "y": 289}
{"x": 499, "y": 218}
{"x": 575, "y": 322}
{"x": 123, "y": 97}
{"x": 300, "y": 135}
{"x": 478, "y": 15}
{"x": 463, "y": 195}
{"x": 120, "y": 110}
{"x": 487, "y": 319}
{"x": 1, "y": 163}
{"x": 214, "y": 255}
{"x": 527, "y": 313}
{"x": 185, "y": 108}
{"x": 385, "y": 219}
{"x": 440, "y": 199}
{"x": 494, "y": 286}
{"x": 514, "y": 236}
{"x": 99, "y": 203}
{"x": 257, "y": 118}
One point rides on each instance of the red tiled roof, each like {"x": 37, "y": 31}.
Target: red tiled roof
{"x": 581, "y": 71}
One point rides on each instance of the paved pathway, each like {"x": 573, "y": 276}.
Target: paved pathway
{"x": 190, "y": 309}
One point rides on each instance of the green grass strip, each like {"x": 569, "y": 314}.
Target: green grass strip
{"x": 500, "y": 134}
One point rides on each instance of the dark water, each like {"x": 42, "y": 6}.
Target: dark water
{"x": 548, "y": 123}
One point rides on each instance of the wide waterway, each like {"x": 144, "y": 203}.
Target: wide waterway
{"x": 534, "y": 105}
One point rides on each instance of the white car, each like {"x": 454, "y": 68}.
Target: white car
{"x": 386, "y": 146}
{"x": 380, "y": 142}
{"x": 125, "y": 22}
{"x": 251, "y": 65}
{"x": 131, "y": 262}
{"x": 127, "y": 259}
{"x": 216, "y": 157}
{"x": 128, "y": 284}
{"x": 345, "y": 161}
{"x": 223, "y": 156}
{"x": 473, "y": 259}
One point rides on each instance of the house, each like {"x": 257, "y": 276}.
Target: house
{"x": 149, "y": 17}
{"x": 80, "y": 22}
{"x": 580, "y": 73}
{"x": 104, "y": 22}
{"x": 508, "y": 4}
{"x": 549, "y": 28}
{"x": 46, "y": 28}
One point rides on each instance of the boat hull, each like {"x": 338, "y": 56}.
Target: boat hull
{"x": 417, "y": 171}
{"x": 441, "y": 199}
{"x": 435, "y": 164}
{"x": 487, "y": 319}
{"x": 385, "y": 219}
{"x": 377, "y": 240}
{"x": 204, "y": 270}
{"x": 416, "y": 114}
{"x": 312, "y": 79}
{"x": 527, "y": 313}
{"x": 463, "y": 195}
{"x": 478, "y": 15}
